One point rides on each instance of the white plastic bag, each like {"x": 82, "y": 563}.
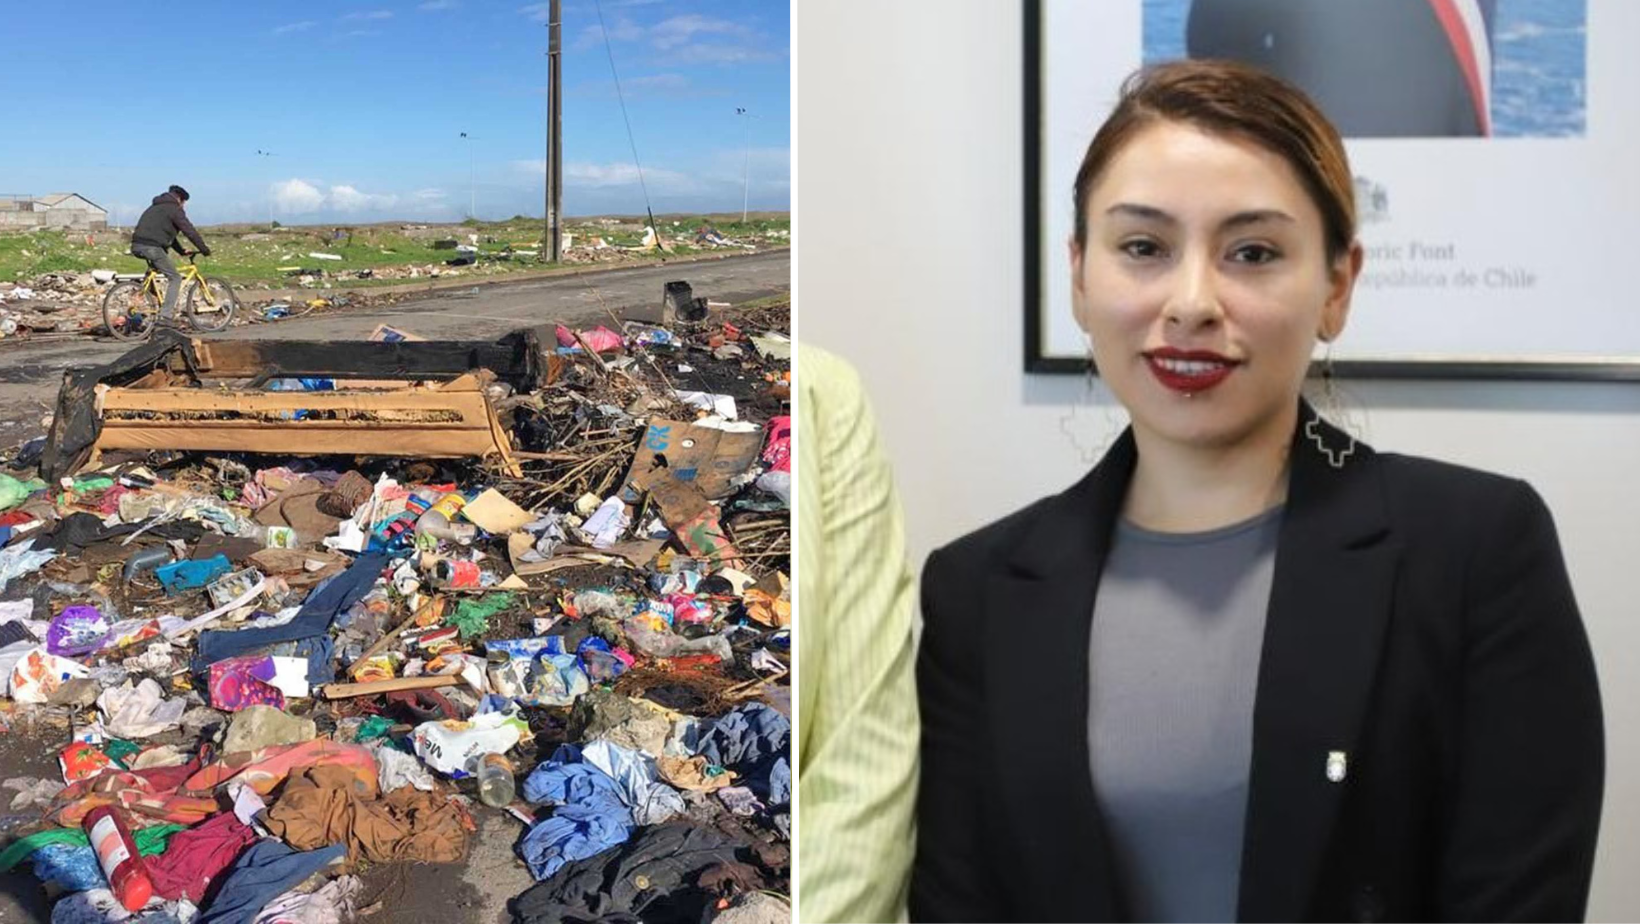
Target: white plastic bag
{"x": 40, "y": 673}
{"x": 455, "y": 747}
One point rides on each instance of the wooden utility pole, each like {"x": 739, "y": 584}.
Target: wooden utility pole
{"x": 553, "y": 244}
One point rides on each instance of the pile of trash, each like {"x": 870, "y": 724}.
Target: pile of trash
{"x": 53, "y": 302}
{"x": 290, "y": 627}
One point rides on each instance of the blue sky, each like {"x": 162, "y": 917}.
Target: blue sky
{"x": 362, "y": 105}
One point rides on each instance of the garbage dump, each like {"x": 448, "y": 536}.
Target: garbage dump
{"x": 284, "y": 615}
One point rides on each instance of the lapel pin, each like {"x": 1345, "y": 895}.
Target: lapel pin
{"x": 1337, "y": 766}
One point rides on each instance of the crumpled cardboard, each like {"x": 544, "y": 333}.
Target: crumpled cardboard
{"x": 707, "y": 457}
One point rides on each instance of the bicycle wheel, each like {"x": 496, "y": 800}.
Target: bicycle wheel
{"x": 215, "y": 312}
{"x": 129, "y": 310}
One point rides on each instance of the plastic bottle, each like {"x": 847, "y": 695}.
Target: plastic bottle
{"x": 457, "y": 575}
{"x": 450, "y": 504}
{"x": 437, "y": 524}
{"x": 439, "y": 521}
{"x": 495, "y": 780}
{"x": 147, "y": 560}
{"x": 117, "y": 853}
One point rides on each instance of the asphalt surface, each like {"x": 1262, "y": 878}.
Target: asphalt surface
{"x": 31, "y": 371}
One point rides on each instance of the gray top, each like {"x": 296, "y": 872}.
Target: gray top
{"x": 1178, "y": 628}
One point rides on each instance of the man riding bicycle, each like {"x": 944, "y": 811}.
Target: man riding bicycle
{"x": 156, "y": 231}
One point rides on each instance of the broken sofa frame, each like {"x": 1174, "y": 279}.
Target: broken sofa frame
{"x": 424, "y": 399}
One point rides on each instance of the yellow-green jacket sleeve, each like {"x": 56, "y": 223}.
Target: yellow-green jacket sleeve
{"x": 857, "y": 712}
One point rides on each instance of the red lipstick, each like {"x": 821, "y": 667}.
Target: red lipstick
{"x": 1189, "y": 371}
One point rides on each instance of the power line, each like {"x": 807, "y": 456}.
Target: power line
{"x": 629, "y": 137}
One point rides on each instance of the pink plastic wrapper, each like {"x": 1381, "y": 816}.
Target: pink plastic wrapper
{"x": 687, "y": 609}
{"x": 234, "y": 684}
{"x": 778, "y": 451}
{"x": 603, "y": 340}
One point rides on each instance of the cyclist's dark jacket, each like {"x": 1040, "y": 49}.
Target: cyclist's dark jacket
{"x": 159, "y": 225}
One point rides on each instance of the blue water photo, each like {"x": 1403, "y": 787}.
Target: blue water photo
{"x": 1539, "y": 53}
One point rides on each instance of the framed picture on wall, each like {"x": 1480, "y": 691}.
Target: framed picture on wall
{"x": 1492, "y": 145}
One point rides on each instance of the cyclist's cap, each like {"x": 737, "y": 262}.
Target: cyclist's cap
{"x": 180, "y": 193}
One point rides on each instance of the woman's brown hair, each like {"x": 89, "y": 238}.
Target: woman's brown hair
{"x": 1236, "y": 100}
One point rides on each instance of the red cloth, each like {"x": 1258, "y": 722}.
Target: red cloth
{"x": 197, "y": 856}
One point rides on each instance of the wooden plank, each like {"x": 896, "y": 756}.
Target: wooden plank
{"x": 346, "y": 690}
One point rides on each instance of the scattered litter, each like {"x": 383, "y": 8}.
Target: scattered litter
{"x": 291, "y": 621}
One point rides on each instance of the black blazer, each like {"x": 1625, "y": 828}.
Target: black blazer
{"x": 1420, "y": 620}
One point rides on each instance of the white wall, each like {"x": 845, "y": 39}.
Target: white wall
{"x": 908, "y": 204}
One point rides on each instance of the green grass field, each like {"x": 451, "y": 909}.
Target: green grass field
{"x": 24, "y": 256}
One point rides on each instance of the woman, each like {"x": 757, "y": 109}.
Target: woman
{"x": 1248, "y": 668}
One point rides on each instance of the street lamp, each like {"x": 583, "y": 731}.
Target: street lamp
{"x": 746, "y": 168}
{"x": 262, "y": 153}
{"x": 472, "y": 197}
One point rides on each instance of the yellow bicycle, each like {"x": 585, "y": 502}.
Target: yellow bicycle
{"x": 131, "y": 307}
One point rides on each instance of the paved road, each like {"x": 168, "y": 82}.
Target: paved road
{"x": 30, "y": 373}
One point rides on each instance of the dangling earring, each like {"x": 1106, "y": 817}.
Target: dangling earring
{"x": 1112, "y": 425}
{"x": 1334, "y": 409}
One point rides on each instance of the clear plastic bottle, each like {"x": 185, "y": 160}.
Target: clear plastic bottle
{"x": 439, "y": 521}
{"x": 495, "y": 780}
{"x": 436, "y": 524}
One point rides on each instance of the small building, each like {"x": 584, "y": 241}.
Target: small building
{"x": 58, "y": 210}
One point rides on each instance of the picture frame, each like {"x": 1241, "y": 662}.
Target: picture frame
{"x": 1495, "y": 244}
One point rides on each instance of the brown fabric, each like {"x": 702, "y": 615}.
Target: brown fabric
{"x": 326, "y": 805}
{"x": 690, "y": 773}
{"x": 298, "y": 508}
{"x": 292, "y": 564}
{"x": 238, "y": 548}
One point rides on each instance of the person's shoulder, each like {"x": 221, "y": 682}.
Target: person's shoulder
{"x": 1436, "y": 480}
{"x": 989, "y": 544}
{"x": 1452, "y": 498}
{"x": 826, "y": 377}
{"x": 833, "y": 408}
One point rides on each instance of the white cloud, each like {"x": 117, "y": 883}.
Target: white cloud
{"x": 717, "y": 53}
{"x": 372, "y": 14}
{"x": 428, "y": 195}
{"x": 624, "y": 30}
{"x": 295, "y": 27}
{"x": 602, "y": 174}
{"x": 348, "y": 199}
{"x": 681, "y": 38}
{"x": 539, "y": 12}
{"x": 623, "y": 174}
{"x": 769, "y": 163}
{"x": 295, "y": 196}
{"x": 432, "y": 5}
{"x": 670, "y": 33}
